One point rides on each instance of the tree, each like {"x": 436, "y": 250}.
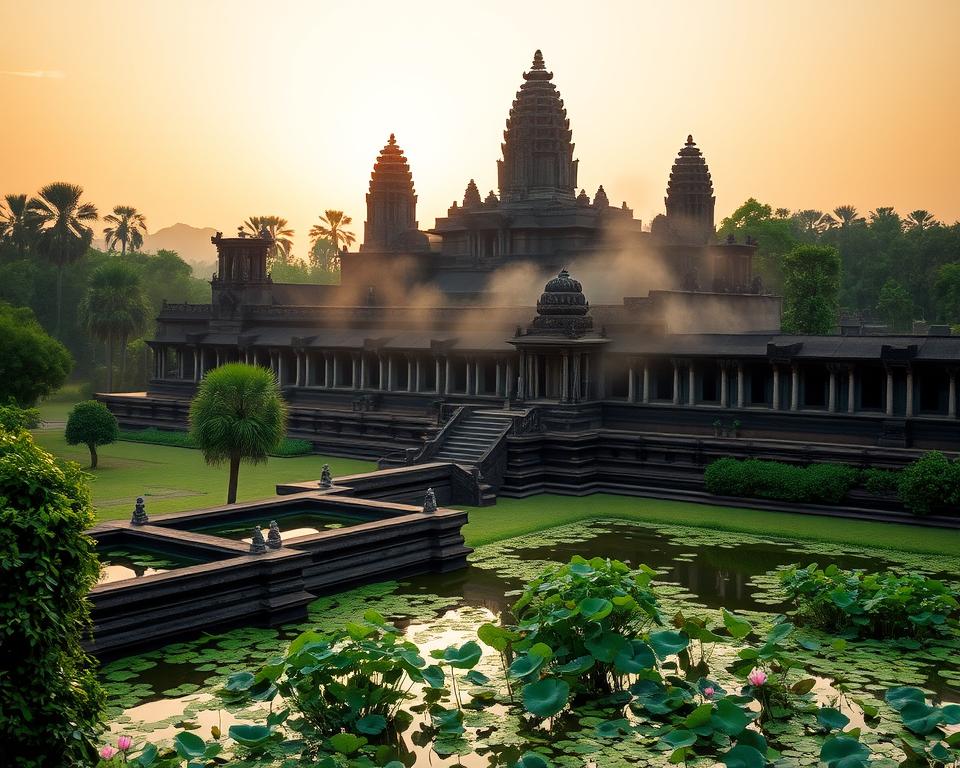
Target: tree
{"x": 895, "y": 306}
{"x": 844, "y": 216}
{"x": 32, "y": 363}
{"x": 237, "y": 415}
{"x": 811, "y": 301}
{"x": 90, "y": 423}
{"x": 17, "y": 224}
{"x": 332, "y": 227}
{"x": 323, "y": 256}
{"x": 809, "y": 224}
{"x": 886, "y": 221}
{"x": 63, "y": 237}
{"x": 920, "y": 220}
{"x": 946, "y": 287}
{"x": 51, "y": 701}
{"x": 114, "y": 309}
{"x": 281, "y": 234}
{"x": 774, "y": 235}
{"x": 127, "y": 227}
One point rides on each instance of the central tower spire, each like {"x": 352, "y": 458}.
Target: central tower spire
{"x": 537, "y": 143}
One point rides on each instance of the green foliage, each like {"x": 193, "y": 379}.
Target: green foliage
{"x": 811, "y": 290}
{"x": 91, "y": 424}
{"x": 287, "y": 447}
{"x": 33, "y": 363}
{"x": 879, "y": 605}
{"x": 775, "y": 236}
{"x": 757, "y": 478}
{"x": 881, "y": 481}
{"x": 238, "y": 415}
{"x": 927, "y": 743}
{"x": 895, "y": 306}
{"x": 946, "y": 288}
{"x": 930, "y": 484}
{"x": 49, "y": 695}
{"x": 13, "y": 418}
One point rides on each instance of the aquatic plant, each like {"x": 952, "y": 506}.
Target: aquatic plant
{"x": 879, "y": 605}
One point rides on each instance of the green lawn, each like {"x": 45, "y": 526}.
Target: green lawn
{"x": 174, "y": 479}
{"x": 57, "y": 407}
{"x": 514, "y": 517}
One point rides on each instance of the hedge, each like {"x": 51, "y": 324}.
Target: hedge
{"x": 756, "y": 478}
{"x": 289, "y": 446}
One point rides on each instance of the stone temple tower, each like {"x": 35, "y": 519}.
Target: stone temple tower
{"x": 690, "y": 199}
{"x": 537, "y": 148}
{"x": 391, "y": 201}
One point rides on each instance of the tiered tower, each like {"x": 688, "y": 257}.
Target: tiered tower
{"x": 690, "y": 201}
{"x": 391, "y": 201}
{"x": 537, "y": 148}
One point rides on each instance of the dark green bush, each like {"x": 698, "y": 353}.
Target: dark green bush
{"x": 881, "y": 481}
{"x": 930, "y": 484}
{"x": 755, "y": 478}
{"x": 289, "y": 446}
{"x": 14, "y": 418}
{"x": 50, "y": 701}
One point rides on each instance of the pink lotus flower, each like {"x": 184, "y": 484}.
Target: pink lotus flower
{"x": 107, "y": 752}
{"x": 708, "y": 692}
{"x": 757, "y": 677}
{"x": 124, "y": 743}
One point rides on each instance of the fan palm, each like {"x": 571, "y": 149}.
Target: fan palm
{"x": 281, "y": 234}
{"x": 63, "y": 236}
{"x": 127, "y": 227}
{"x": 810, "y": 221}
{"x": 332, "y": 227}
{"x": 844, "y": 216}
{"x": 115, "y": 308}
{"x": 17, "y": 224}
{"x": 920, "y": 220}
{"x": 237, "y": 415}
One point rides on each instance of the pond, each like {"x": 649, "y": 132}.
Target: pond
{"x": 291, "y": 524}
{"x": 153, "y": 694}
{"x": 128, "y": 562}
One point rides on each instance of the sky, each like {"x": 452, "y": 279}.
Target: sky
{"x": 207, "y": 112}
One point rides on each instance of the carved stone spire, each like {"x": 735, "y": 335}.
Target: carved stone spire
{"x": 600, "y": 199}
{"x": 690, "y": 201}
{"x": 471, "y": 197}
{"x": 391, "y": 201}
{"x": 583, "y": 199}
{"x": 537, "y": 143}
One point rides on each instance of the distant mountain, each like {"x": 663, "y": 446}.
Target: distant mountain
{"x": 192, "y": 243}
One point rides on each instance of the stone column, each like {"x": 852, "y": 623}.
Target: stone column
{"x": 410, "y": 375}
{"x": 308, "y": 374}
{"x": 382, "y": 370}
{"x": 499, "y": 379}
{"x": 280, "y": 366}
{"x": 363, "y": 371}
{"x": 180, "y": 364}
{"x": 446, "y": 376}
{"x": 299, "y": 380}
{"x": 832, "y": 391}
{"x": 952, "y": 395}
{"x": 196, "y": 365}
{"x": 724, "y": 393}
{"x": 631, "y": 385}
{"x": 795, "y": 388}
{"x": 565, "y": 380}
{"x": 328, "y": 370}
{"x": 851, "y": 391}
{"x": 508, "y": 381}
{"x": 468, "y": 384}
{"x": 522, "y": 376}
{"x": 217, "y": 357}
{"x": 776, "y": 387}
{"x": 741, "y": 395}
{"x": 692, "y": 384}
{"x": 389, "y": 373}
{"x": 909, "y": 392}
{"x": 889, "y": 410}
{"x": 646, "y": 381}
{"x": 418, "y": 368}
{"x": 477, "y": 373}
{"x": 436, "y": 375}
{"x": 676, "y": 383}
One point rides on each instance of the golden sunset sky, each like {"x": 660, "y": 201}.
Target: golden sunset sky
{"x": 206, "y": 112}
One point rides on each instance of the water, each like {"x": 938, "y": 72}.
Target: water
{"x": 292, "y": 525}
{"x": 126, "y": 562}
{"x": 698, "y": 571}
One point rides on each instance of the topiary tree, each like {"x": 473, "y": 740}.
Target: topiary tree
{"x": 90, "y": 423}
{"x": 238, "y": 415}
{"x": 50, "y": 700}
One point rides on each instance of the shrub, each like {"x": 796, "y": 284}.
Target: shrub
{"x": 881, "y": 481}
{"x": 815, "y": 483}
{"x": 289, "y": 446}
{"x": 929, "y": 484}
{"x": 90, "y": 423}
{"x": 49, "y": 696}
{"x": 34, "y": 364}
{"x": 880, "y": 605}
{"x": 13, "y": 418}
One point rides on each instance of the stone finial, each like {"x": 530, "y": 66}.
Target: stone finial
{"x": 273, "y": 536}
{"x": 257, "y": 545}
{"x": 430, "y": 502}
{"x": 690, "y": 141}
{"x": 326, "y": 479}
{"x": 139, "y": 513}
{"x": 392, "y": 140}
{"x": 538, "y": 62}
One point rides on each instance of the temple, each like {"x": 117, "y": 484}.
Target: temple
{"x": 548, "y": 341}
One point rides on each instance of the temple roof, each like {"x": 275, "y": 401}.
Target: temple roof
{"x": 471, "y": 197}
{"x": 391, "y": 171}
{"x": 689, "y": 175}
{"x": 537, "y": 143}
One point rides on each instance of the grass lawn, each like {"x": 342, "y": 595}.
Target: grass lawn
{"x": 57, "y": 407}
{"x": 514, "y": 517}
{"x": 174, "y": 479}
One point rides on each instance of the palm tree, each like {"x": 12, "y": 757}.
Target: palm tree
{"x": 282, "y": 236}
{"x": 237, "y": 415}
{"x": 17, "y": 224}
{"x": 920, "y": 220}
{"x": 115, "y": 308}
{"x": 62, "y": 235}
{"x": 810, "y": 221}
{"x": 127, "y": 227}
{"x": 844, "y": 216}
{"x": 332, "y": 227}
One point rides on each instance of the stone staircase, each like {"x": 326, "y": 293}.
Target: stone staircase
{"x": 470, "y": 439}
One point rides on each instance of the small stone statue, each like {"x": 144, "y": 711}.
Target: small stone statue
{"x": 430, "y": 502}
{"x": 139, "y": 513}
{"x": 257, "y": 545}
{"x": 326, "y": 479}
{"x": 273, "y": 536}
